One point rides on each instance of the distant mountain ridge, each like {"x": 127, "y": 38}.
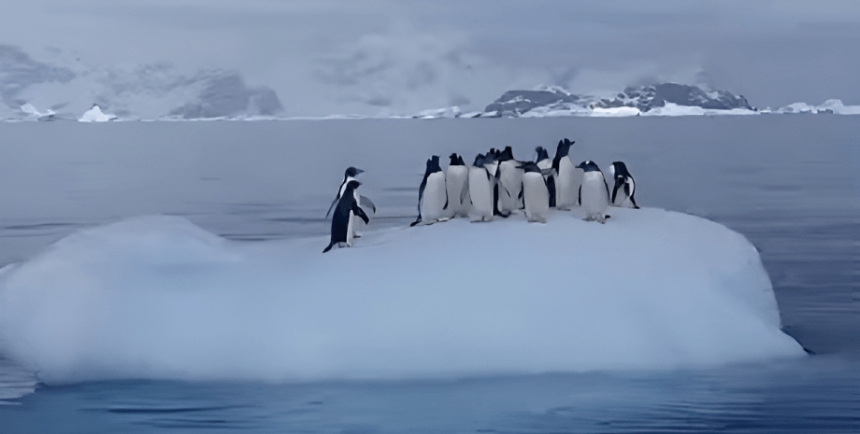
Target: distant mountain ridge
{"x": 63, "y": 89}
{"x": 515, "y": 103}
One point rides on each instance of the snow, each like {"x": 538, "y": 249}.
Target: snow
{"x": 157, "y": 297}
{"x": 95, "y": 115}
{"x": 798, "y": 107}
{"x": 556, "y": 111}
{"x": 837, "y": 107}
{"x": 33, "y": 113}
{"x": 446, "y": 112}
{"x": 615, "y": 111}
{"x": 672, "y": 109}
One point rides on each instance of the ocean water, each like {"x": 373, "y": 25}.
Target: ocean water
{"x": 789, "y": 183}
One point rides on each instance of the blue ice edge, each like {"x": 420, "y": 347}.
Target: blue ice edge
{"x": 158, "y": 297}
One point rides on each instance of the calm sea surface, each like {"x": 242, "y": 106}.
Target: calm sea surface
{"x": 789, "y": 183}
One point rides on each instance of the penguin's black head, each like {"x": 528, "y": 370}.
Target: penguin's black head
{"x": 353, "y": 184}
{"x": 563, "y": 147}
{"x": 353, "y": 172}
{"x": 588, "y": 166}
{"x": 433, "y": 164}
{"x": 542, "y": 154}
{"x": 620, "y": 169}
{"x": 479, "y": 160}
{"x": 529, "y": 166}
{"x": 455, "y": 159}
{"x": 507, "y": 154}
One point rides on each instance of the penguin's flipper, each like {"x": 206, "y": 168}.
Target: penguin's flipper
{"x": 579, "y": 196}
{"x": 367, "y": 203}
{"x": 418, "y": 220}
{"x": 330, "y": 245}
{"x": 331, "y": 207}
{"x": 618, "y": 183}
{"x": 464, "y": 194}
{"x": 633, "y": 201}
{"x": 360, "y": 212}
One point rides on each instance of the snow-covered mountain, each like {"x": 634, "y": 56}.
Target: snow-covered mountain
{"x": 556, "y": 101}
{"x": 664, "y": 99}
{"x": 38, "y": 89}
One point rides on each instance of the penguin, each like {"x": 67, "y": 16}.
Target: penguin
{"x": 432, "y": 196}
{"x": 511, "y": 181}
{"x": 545, "y": 164}
{"x": 342, "y": 220}
{"x": 491, "y": 163}
{"x": 593, "y": 192}
{"x": 350, "y": 175}
{"x": 480, "y": 191}
{"x": 625, "y": 187}
{"x": 457, "y": 186}
{"x": 535, "y": 192}
{"x": 567, "y": 179}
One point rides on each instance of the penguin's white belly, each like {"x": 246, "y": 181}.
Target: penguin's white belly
{"x": 622, "y": 199}
{"x": 433, "y": 202}
{"x": 511, "y": 179}
{"x": 595, "y": 198}
{"x": 353, "y": 219}
{"x": 536, "y": 197}
{"x": 350, "y": 228}
{"x": 456, "y": 180}
{"x": 567, "y": 184}
{"x": 481, "y": 194}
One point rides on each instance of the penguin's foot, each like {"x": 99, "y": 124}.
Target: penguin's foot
{"x": 356, "y": 235}
{"x": 444, "y": 219}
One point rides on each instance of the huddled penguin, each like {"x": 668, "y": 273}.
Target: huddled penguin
{"x": 535, "y": 192}
{"x": 625, "y": 187}
{"x": 457, "y": 186}
{"x": 593, "y": 192}
{"x": 567, "y": 179}
{"x": 491, "y": 163}
{"x": 350, "y": 175}
{"x": 342, "y": 221}
{"x": 432, "y": 197}
{"x": 511, "y": 181}
{"x": 544, "y": 163}
{"x": 480, "y": 190}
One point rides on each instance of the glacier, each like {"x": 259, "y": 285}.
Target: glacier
{"x": 158, "y": 297}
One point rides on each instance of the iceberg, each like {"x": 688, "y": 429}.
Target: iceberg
{"x": 446, "y": 112}
{"x": 615, "y": 111}
{"x": 157, "y": 297}
{"x": 95, "y": 115}
{"x": 836, "y": 106}
{"x": 33, "y": 113}
{"x": 671, "y": 109}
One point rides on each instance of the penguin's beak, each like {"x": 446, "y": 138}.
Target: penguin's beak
{"x": 580, "y": 166}
{"x": 358, "y": 171}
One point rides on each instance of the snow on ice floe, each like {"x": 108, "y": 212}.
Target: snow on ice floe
{"x": 157, "y": 297}
{"x": 95, "y": 114}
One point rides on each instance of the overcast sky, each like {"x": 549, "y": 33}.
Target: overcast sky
{"x": 369, "y": 57}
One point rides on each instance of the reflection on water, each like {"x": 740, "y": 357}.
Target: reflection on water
{"x": 762, "y": 177}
